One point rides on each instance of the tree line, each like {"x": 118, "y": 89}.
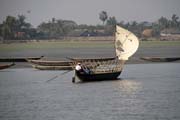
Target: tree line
{"x": 16, "y": 28}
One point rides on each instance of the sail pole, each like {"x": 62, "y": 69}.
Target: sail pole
{"x": 115, "y": 42}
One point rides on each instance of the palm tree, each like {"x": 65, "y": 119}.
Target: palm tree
{"x": 103, "y": 16}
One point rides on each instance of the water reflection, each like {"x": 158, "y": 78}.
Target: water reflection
{"x": 129, "y": 86}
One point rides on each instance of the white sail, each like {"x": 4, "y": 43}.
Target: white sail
{"x": 126, "y": 43}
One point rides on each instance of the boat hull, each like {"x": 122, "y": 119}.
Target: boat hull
{"x": 161, "y": 59}
{"x": 98, "y": 76}
{"x": 4, "y": 66}
{"x": 19, "y": 59}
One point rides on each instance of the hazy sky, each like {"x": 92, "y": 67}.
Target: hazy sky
{"x": 87, "y": 11}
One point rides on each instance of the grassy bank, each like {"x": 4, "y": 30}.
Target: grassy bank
{"x": 159, "y": 43}
{"x": 78, "y": 44}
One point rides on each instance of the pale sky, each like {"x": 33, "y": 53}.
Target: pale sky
{"x": 87, "y": 11}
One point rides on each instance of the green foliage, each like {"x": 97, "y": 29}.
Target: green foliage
{"x": 18, "y": 28}
{"x": 56, "y": 28}
{"x": 15, "y": 28}
{"x": 8, "y": 27}
{"x": 111, "y": 21}
{"x": 174, "y": 22}
{"x": 163, "y": 23}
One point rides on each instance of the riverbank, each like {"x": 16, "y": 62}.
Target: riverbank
{"x": 87, "y": 49}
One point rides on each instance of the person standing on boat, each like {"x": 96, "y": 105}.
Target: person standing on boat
{"x": 82, "y": 69}
{"x": 79, "y": 69}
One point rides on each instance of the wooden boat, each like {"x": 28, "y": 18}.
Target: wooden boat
{"x": 50, "y": 63}
{"x": 91, "y": 59}
{"x": 61, "y": 67}
{"x": 98, "y": 76}
{"x": 19, "y": 59}
{"x": 160, "y": 59}
{"x": 40, "y": 67}
{"x": 4, "y": 66}
{"x": 126, "y": 44}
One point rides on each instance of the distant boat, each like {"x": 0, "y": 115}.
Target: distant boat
{"x": 126, "y": 44}
{"x": 40, "y": 67}
{"x": 4, "y": 66}
{"x": 160, "y": 59}
{"x": 19, "y": 59}
{"x": 50, "y": 63}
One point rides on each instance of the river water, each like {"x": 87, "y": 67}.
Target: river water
{"x": 143, "y": 92}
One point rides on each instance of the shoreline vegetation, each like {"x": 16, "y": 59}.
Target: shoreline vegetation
{"x": 17, "y": 28}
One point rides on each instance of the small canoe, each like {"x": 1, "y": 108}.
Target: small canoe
{"x": 50, "y": 63}
{"x": 4, "y": 66}
{"x": 160, "y": 59}
{"x": 19, "y": 59}
{"x": 40, "y": 67}
{"x": 98, "y": 76}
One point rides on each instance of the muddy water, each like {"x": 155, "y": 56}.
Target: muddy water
{"x": 145, "y": 91}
